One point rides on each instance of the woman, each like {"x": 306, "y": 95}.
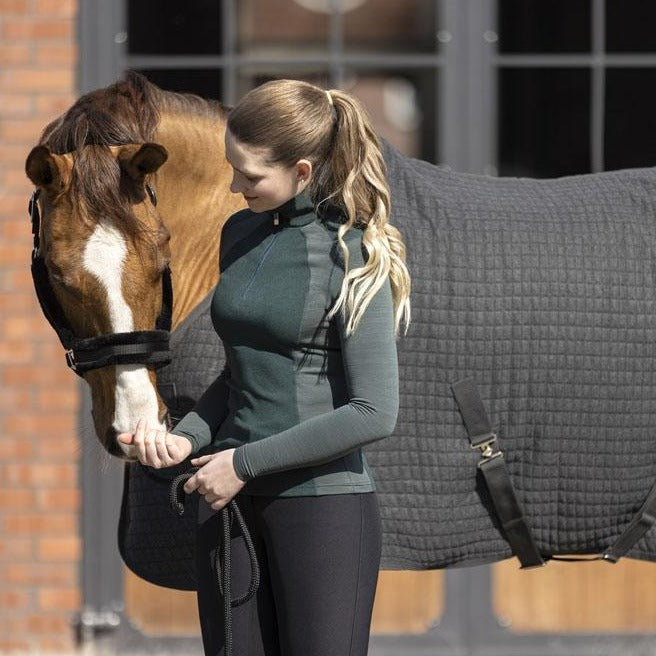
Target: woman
{"x": 312, "y": 293}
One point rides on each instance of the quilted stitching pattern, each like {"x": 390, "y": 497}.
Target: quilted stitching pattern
{"x": 543, "y": 292}
{"x": 154, "y": 543}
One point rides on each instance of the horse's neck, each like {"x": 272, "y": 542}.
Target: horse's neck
{"x": 194, "y": 202}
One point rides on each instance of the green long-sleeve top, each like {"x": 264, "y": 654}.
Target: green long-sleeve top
{"x": 298, "y": 398}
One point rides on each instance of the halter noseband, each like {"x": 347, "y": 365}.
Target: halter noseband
{"x": 149, "y": 347}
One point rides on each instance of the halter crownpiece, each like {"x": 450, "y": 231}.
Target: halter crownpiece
{"x": 147, "y": 347}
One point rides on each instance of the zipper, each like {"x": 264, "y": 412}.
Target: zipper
{"x": 265, "y": 254}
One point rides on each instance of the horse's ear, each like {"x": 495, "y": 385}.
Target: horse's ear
{"x": 42, "y": 168}
{"x": 138, "y": 161}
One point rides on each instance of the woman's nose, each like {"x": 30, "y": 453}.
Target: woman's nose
{"x": 235, "y": 186}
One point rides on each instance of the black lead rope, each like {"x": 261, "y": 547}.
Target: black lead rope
{"x": 223, "y": 573}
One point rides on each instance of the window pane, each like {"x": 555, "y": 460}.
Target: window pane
{"x": 401, "y": 106}
{"x": 203, "y": 82}
{"x": 630, "y": 26}
{"x": 272, "y": 26}
{"x": 630, "y": 120}
{"x": 248, "y": 80}
{"x": 391, "y": 26}
{"x": 171, "y": 27}
{"x": 539, "y": 26}
{"x": 544, "y": 122}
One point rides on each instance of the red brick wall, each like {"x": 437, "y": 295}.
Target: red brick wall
{"x": 39, "y": 449}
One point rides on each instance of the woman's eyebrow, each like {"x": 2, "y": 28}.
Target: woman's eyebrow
{"x": 246, "y": 173}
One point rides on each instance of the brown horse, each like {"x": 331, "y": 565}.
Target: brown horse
{"x": 106, "y": 245}
{"x": 540, "y": 291}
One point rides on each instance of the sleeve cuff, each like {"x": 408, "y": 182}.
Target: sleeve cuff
{"x": 194, "y": 442}
{"x": 239, "y": 463}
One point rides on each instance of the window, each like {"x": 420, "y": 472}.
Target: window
{"x": 575, "y": 86}
{"x": 386, "y": 53}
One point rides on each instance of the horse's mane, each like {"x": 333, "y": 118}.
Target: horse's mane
{"x": 126, "y": 112}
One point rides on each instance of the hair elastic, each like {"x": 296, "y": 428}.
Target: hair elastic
{"x": 330, "y": 98}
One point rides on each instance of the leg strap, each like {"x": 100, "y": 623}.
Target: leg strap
{"x": 494, "y": 470}
{"x": 642, "y": 521}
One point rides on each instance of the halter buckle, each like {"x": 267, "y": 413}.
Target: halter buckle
{"x": 35, "y": 217}
{"x": 70, "y": 359}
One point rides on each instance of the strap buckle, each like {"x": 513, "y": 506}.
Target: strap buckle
{"x": 488, "y": 447}
{"x": 70, "y": 359}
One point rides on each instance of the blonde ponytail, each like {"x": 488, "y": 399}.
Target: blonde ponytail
{"x": 297, "y": 120}
{"x": 356, "y": 173}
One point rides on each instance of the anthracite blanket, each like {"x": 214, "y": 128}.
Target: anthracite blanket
{"x": 543, "y": 292}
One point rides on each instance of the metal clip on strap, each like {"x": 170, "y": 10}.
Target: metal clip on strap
{"x": 488, "y": 446}
{"x": 493, "y": 467}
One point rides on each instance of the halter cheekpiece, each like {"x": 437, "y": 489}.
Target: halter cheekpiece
{"x": 148, "y": 347}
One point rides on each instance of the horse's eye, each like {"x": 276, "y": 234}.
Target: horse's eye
{"x": 57, "y": 277}
{"x": 56, "y": 274}
{"x": 151, "y": 194}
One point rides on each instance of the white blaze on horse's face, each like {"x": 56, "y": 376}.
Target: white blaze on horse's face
{"x": 105, "y": 254}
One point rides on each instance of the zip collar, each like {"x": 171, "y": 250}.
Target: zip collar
{"x": 297, "y": 211}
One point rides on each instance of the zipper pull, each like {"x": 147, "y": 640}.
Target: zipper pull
{"x": 276, "y": 219}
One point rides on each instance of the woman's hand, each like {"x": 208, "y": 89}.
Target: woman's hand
{"x": 216, "y": 479}
{"x": 155, "y": 447}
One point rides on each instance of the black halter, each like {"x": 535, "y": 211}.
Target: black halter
{"x": 149, "y": 347}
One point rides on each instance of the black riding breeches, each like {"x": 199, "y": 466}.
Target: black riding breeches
{"x": 319, "y": 559}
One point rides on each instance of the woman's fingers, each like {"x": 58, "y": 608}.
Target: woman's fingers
{"x": 150, "y": 442}
{"x": 215, "y": 501}
{"x": 161, "y": 448}
{"x": 125, "y": 438}
{"x": 139, "y": 438}
{"x": 179, "y": 447}
{"x": 192, "y": 484}
{"x": 216, "y": 479}
{"x": 201, "y": 460}
{"x": 156, "y": 447}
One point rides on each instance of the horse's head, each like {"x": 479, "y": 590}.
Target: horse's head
{"x": 104, "y": 251}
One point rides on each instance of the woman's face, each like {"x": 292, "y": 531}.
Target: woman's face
{"x": 264, "y": 186}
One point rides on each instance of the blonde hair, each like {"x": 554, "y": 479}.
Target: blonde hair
{"x": 297, "y": 120}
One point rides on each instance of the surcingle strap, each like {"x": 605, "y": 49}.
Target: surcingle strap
{"x": 494, "y": 470}
{"x": 642, "y": 521}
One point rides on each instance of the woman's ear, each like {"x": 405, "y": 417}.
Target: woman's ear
{"x": 303, "y": 170}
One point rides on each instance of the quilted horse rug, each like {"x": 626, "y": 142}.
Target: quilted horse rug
{"x": 542, "y": 295}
